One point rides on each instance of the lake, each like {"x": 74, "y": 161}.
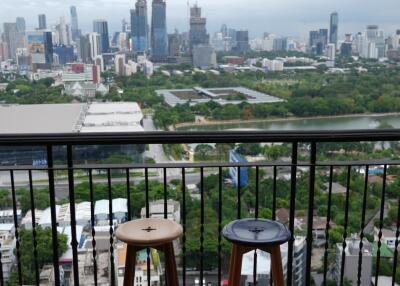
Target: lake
{"x": 333, "y": 123}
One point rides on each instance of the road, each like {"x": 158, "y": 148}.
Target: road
{"x": 61, "y": 185}
{"x": 156, "y": 151}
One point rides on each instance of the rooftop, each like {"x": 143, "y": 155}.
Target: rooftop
{"x": 71, "y": 118}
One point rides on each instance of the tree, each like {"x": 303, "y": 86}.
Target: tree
{"x": 41, "y": 199}
{"x": 251, "y": 149}
{"x": 44, "y": 250}
{"x": 203, "y": 152}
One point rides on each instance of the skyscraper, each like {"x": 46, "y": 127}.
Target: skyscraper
{"x": 42, "y": 22}
{"x": 242, "y": 41}
{"x": 40, "y": 47}
{"x": 140, "y": 27}
{"x": 159, "y": 39}
{"x": 21, "y": 26}
{"x": 10, "y": 36}
{"x": 101, "y": 27}
{"x": 74, "y": 23}
{"x": 334, "y": 26}
{"x": 198, "y": 32}
{"x": 95, "y": 45}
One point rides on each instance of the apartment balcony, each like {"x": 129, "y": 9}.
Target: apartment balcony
{"x": 88, "y": 200}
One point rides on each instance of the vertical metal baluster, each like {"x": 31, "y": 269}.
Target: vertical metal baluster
{"x": 184, "y": 227}
{"x": 364, "y": 206}
{"x": 1, "y": 270}
{"x": 92, "y": 224}
{"x": 239, "y": 207}
{"x": 293, "y": 180}
{"x": 274, "y": 194}
{"x": 17, "y": 238}
{"x": 346, "y": 222}
{"x": 328, "y": 224}
{"x": 74, "y": 242}
{"x": 146, "y": 177}
{"x": 35, "y": 253}
{"x": 396, "y": 244}
{"x": 256, "y": 217}
{"x": 219, "y": 224}
{"x": 313, "y": 160}
{"x": 201, "y": 225}
{"x": 128, "y": 193}
{"x": 54, "y": 233}
{"x": 165, "y": 193}
{"x": 381, "y": 216}
{"x": 111, "y": 224}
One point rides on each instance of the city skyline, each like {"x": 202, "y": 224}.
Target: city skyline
{"x": 283, "y": 18}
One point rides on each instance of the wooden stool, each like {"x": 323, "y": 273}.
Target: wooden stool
{"x": 251, "y": 234}
{"x": 154, "y": 233}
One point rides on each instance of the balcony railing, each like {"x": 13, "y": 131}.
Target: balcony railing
{"x": 257, "y": 197}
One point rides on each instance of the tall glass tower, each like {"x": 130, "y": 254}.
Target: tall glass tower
{"x": 74, "y": 23}
{"x": 140, "y": 27}
{"x": 333, "y": 33}
{"x": 159, "y": 38}
{"x": 42, "y": 22}
{"x": 101, "y": 27}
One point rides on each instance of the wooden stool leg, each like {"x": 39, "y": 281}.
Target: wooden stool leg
{"x": 235, "y": 268}
{"x": 277, "y": 270}
{"x": 130, "y": 263}
{"x": 171, "y": 273}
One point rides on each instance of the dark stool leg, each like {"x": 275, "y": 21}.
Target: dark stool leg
{"x": 235, "y": 268}
{"x": 130, "y": 263}
{"x": 277, "y": 270}
{"x": 171, "y": 274}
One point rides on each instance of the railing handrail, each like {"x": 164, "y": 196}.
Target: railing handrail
{"x": 178, "y": 137}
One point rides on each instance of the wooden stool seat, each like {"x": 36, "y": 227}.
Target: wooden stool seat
{"x": 150, "y": 233}
{"x": 251, "y": 234}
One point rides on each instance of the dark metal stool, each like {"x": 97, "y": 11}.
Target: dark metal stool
{"x": 251, "y": 234}
{"x": 154, "y": 233}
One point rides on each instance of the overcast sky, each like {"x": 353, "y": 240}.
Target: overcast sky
{"x": 282, "y": 17}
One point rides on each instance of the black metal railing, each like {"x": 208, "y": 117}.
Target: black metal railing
{"x": 294, "y": 138}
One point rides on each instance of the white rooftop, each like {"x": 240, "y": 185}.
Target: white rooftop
{"x": 71, "y": 118}
{"x": 6, "y": 226}
{"x": 118, "y": 205}
{"x": 115, "y": 107}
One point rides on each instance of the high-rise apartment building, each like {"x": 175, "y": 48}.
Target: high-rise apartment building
{"x": 10, "y": 36}
{"x": 63, "y": 33}
{"x": 74, "y": 23}
{"x": 21, "y": 25}
{"x": 42, "y": 22}
{"x": 318, "y": 41}
{"x": 101, "y": 27}
{"x": 95, "y": 45}
{"x": 140, "y": 27}
{"x": 40, "y": 47}
{"x": 334, "y": 28}
{"x": 84, "y": 49}
{"x": 198, "y": 32}
{"x": 242, "y": 41}
{"x": 159, "y": 38}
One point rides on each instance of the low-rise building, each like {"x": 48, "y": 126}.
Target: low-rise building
{"x": 264, "y": 264}
{"x": 7, "y": 216}
{"x": 119, "y": 210}
{"x": 351, "y": 261}
{"x": 85, "y": 89}
{"x": 7, "y": 245}
{"x": 156, "y": 210}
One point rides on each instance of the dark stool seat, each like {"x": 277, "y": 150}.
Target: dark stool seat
{"x": 251, "y": 234}
{"x": 151, "y": 232}
{"x": 256, "y": 232}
